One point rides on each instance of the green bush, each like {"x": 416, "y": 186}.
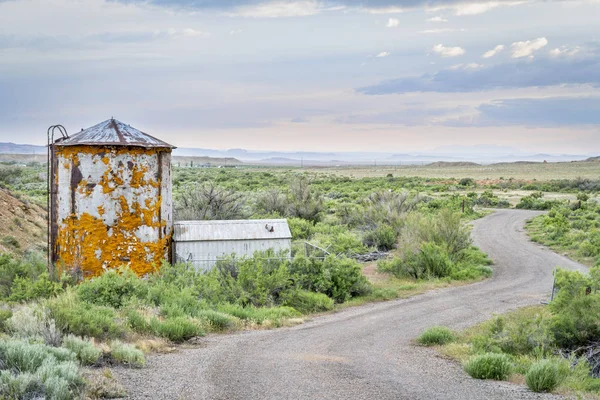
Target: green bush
{"x": 543, "y": 376}
{"x": 436, "y": 335}
{"x": 29, "y": 267}
{"x": 384, "y": 238}
{"x": 84, "y": 319}
{"x": 86, "y": 352}
{"x": 177, "y": 329}
{"x": 5, "y": 315}
{"x": 308, "y": 302}
{"x": 137, "y": 322}
{"x": 26, "y": 289}
{"x": 217, "y": 320}
{"x": 300, "y": 228}
{"x": 113, "y": 288}
{"x": 127, "y": 354}
{"x": 489, "y": 366}
{"x": 259, "y": 315}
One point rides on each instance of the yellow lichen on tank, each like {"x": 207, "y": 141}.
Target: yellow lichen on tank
{"x": 90, "y": 242}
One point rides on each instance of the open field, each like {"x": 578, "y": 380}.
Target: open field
{"x": 520, "y": 171}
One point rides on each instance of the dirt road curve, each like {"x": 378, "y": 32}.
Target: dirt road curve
{"x": 365, "y": 352}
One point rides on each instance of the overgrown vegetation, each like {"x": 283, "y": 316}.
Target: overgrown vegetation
{"x": 571, "y": 228}
{"x": 552, "y": 347}
{"x": 419, "y": 222}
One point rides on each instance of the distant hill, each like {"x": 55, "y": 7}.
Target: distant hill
{"x": 12, "y": 148}
{"x": 22, "y": 225}
{"x": 453, "y": 164}
{"x": 593, "y": 159}
{"x": 205, "y": 161}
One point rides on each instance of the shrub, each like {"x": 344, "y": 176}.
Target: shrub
{"x": 436, "y": 335}
{"x": 384, "y": 237}
{"x": 34, "y": 323}
{"x": 304, "y": 202}
{"x": 11, "y": 242}
{"x": 113, "y": 288}
{"x": 209, "y": 201}
{"x": 217, "y": 320}
{"x": 137, "y": 322}
{"x": 5, "y": 315}
{"x": 489, "y": 366}
{"x": 308, "y": 302}
{"x": 26, "y": 289}
{"x": 271, "y": 201}
{"x": 177, "y": 329}
{"x": 543, "y": 376}
{"x": 30, "y": 267}
{"x": 85, "y": 350}
{"x": 37, "y": 370}
{"x": 84, "y": 319}
{"x": 300, "y": 228}
{"x": 127, "y": 354}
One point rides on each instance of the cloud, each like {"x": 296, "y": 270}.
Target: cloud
{"x": 392, "y": 23}
{"x": 527, "y": 48}
{"x": 382, "y": 54}
{"x": 553, "y": 111}
{"x": 442, "y": 30}
{"x": 279, "y": 9}
{"x": 565, "y": 51}
{"x": 235, "y": 32}
{"x": 192, "y": 33}
{"x": 383, "y": 10}
{"x": 467, "y": 66}
{"x": 520, "y": 74}
{"x": 436, "y": 19}
{"x": 493, "y": 52}
{"x": 448, "y": 51}
{"x": 472, "y": 8}
{"x": 288, "y": 8}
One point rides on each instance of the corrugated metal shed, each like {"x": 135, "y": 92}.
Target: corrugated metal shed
{"x": 188, "y": 231}
{"x": 202, "y": 243}
{"x": 113, "y": 133}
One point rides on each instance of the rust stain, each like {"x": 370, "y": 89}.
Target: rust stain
{"x": 88, "y": 242}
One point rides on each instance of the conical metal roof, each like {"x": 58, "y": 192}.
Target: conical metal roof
{"x": 112, "y": 133}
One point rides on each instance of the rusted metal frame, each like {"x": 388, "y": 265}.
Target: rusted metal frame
{"x": 51, "y": 190}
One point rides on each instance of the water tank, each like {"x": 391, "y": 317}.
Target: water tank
{"x": 110, "y": 200}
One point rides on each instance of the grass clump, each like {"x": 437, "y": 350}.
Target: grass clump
{"x": 543, "y": 376}
{"x": 177, "y": 329}
{"x": 86, "y": 352}
{"x": 309, "y": 302}
{"x": 436, "y": 335}
{"x": 218, "y": 321}
{"x": 127, "y": 354}
{"x": 489, "y": 366}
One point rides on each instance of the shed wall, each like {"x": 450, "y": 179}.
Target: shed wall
{"x": 112, "y": 207}
{"x": 204, "y": 254}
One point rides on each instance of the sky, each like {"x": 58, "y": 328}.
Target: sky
{"x": 307, "y": 75}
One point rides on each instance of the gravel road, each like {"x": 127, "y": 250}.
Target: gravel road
{"x": 365, "y": 352}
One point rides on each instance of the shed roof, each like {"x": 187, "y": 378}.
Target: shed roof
{"x": 256, "y": 229}
{"x": 112, "y": 133}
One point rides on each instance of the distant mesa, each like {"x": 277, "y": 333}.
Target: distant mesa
{"x": 453, "y": 164}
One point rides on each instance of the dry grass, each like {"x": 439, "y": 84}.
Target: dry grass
{"x": 528, "y": 172}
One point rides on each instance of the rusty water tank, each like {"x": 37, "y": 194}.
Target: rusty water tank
{"x": 110, "y": 200}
